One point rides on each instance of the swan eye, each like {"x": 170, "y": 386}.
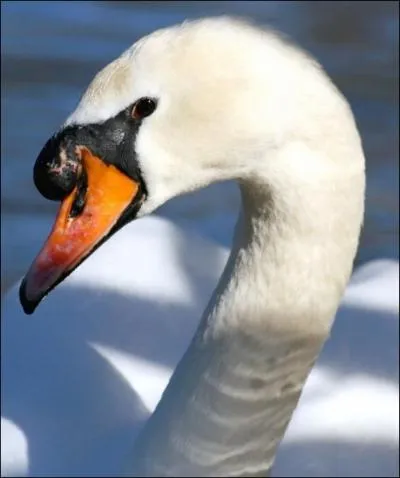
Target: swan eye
{"x": 143, "y": 107}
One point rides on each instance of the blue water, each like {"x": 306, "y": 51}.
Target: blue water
{"x": 51, "y": 50}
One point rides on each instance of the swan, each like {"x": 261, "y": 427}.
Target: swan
{"x": 187, "y": 106}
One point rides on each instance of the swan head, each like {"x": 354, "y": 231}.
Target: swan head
{"x": 186, "y": 106}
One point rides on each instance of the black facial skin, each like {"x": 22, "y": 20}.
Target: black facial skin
{"x": 58, "y": 170}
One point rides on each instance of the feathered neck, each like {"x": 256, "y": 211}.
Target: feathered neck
{"x": 232, "y": 395}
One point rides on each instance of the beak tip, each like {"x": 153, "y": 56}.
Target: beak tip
{"x": 28, "y": 306}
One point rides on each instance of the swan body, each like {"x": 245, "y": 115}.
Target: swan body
{"x": 79, "y": 380}
{"x": 228, "y": 101}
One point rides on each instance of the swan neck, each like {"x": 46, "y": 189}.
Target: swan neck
{"x": 232, "y": 395}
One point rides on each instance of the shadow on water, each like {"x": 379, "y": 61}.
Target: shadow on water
{"x": 315, "y": 457}
{"x": 58, "y": 389}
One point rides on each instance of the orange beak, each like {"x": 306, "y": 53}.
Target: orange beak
{"x": 86, "y": 218}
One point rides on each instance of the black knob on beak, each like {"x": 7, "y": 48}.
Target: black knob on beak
{"x": 55, "y": 173}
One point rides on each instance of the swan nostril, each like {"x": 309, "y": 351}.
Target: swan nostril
{"x": 80, "y": 198}
{"x": 56, "y": 170}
